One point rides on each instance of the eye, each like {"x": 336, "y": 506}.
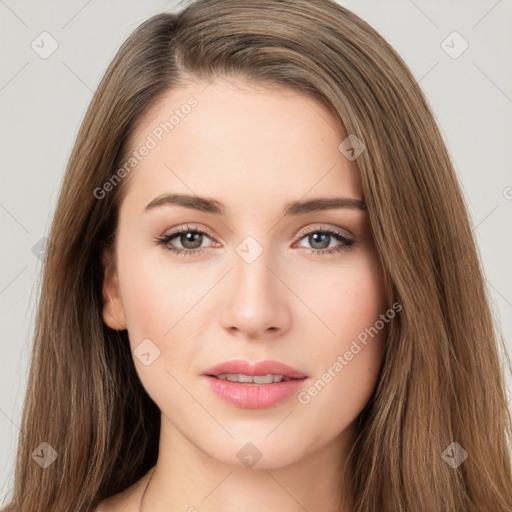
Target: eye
{"x": 321, "y": 241}
{"x": 191, "y": 240}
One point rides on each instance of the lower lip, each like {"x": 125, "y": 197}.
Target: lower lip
{"x": 254, "y": 396}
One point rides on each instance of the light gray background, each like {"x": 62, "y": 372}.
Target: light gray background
{"x": 42, "y": 102}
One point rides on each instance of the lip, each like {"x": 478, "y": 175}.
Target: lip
{"x": 258, "y": 368}
{"x": 254, "y": 396}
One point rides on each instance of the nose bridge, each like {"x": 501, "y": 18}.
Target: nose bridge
{"x": 251, "y": 273}
{"x": 256, "y": 301}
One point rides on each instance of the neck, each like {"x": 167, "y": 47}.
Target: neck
{"x": 187, "y": 478}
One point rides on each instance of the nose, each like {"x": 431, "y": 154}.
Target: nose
{"x": 257, "y": 304}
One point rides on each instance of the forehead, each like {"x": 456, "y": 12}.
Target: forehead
{"x": 241, "y": 143}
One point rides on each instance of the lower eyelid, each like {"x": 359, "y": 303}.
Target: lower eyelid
{"x": 166, "y": 239}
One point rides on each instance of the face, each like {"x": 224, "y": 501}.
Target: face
{"x": 231, "y": 273}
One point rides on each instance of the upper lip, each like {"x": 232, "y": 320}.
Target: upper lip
{"x": 257, "y": 368}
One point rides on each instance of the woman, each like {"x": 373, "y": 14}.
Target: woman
{"x": 261, "y": 288}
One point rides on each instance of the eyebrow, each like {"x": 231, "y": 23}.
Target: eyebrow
{"x": 294, "y": 208}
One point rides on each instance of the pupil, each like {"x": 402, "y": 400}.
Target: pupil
{"x": 315, "y": 238}
{"x": 189, "y": 238}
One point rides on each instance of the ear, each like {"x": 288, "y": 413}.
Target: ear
{"x": 113, "y": 311}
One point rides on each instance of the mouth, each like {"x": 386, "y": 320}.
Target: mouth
{"x": 254, "y": 386}
{"x": 252, "y": 379}
{"x": 260, "y": 372}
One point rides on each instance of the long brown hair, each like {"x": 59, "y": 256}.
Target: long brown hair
{"x": 441, "y": 380}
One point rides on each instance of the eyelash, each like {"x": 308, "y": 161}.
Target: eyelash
{"x": 165, "y": 239}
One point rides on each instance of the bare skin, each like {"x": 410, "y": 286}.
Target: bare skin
{"x": 254, "y": 149}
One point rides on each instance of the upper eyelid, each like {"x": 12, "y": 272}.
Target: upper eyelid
{"x": 187, "y": 228}
{"x": 327, "y": 229}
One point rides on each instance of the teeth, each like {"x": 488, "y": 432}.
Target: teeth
{"x": 255, "y": 379}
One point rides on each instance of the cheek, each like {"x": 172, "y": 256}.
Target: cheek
{"x": 157, "y": 292}
{"x": 361, "y": 330}
{"x": 351, "y": 300}
{"x": 162, "y": 303}
{"x": 145, "y": 302}
{"x": 156, "y": 299}
{"x": 347, "y": 362}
